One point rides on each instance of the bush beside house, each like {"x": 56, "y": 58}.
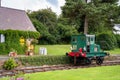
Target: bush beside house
{"x": 12, "y": 40}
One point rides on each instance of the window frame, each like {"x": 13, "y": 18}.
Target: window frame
{"x": 2, "y": 38}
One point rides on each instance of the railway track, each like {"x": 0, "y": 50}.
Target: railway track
{"x": 4, "y": 73}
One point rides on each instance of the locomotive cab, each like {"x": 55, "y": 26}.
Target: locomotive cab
{"x": 90, "y": 44}
{"x": 86, "y": 42}
{"x": 84, "y": 47}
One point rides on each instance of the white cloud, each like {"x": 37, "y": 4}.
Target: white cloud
{"x": 33, "y": 5}
{"x": 60, "y": 3}
{"x": 119, "y": 2}
{"x": 13, "y": 4}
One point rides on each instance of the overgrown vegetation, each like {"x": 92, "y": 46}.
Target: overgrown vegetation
{"x": 44, "y": 60}
{"x": 12, "y": 40}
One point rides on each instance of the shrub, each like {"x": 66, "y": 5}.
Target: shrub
{"x": 12, "y": 40}
{"x": 44, "y": 60}
{"x": 2, "y": 48}
{"x": 107, "y": 41}
{"x": 118, "y": 39}
{"x": 9, "y": 64}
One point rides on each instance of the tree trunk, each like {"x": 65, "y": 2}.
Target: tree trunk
{"x": 86, "y": 25}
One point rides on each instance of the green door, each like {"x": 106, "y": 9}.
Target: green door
{"x": 78, "y": 41}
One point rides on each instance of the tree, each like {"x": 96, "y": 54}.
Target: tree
{"x": 53, "y": 29}
{"x": 65, "y": 30}
{"x": 96, "y": 14}
{"x": 45, "y": 22}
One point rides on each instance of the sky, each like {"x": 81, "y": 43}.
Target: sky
{"x": 34, "y": 4}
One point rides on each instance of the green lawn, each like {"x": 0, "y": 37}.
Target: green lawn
{"x": 115, "y": 51}
{"x": 54, "y": 49}
{"x": 97, "y": 73}
{"x": 62, "y": 49}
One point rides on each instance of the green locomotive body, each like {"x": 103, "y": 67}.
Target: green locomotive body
{"x": 83, "y": 48}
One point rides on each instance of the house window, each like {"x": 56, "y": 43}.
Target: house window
{"x": 2, "y": 38}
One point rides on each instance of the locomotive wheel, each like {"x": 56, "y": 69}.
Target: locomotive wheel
{"x": 88, "y": 61}
{"x": 99, "y": 60}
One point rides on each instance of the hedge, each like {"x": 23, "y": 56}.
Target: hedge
{"x": 2, "y": 48}
{"x": 118, "y": 39}
{"x": 12, "y": 38}
{"x": 106, "y": 40}
{"x": 44, "y": 60}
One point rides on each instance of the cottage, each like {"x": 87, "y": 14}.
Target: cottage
{"x": 16, "y": 21}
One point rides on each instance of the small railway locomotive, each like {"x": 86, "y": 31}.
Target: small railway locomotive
{"x": 84, "y": 50}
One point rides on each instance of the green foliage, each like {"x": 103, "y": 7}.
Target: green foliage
{"x": 65, "y": 32}
{"x": 107, "y": 40}
{"x": 53, "y": 30}
{"x": 44, "y": 60}
{"x": 118, "y": 39}
{"x": 98, "y": 12}
{"x": 45, "y": 22}
{"x": 2, "y": 48}
{"x": 25, "y": 34}
{"x": 12, "y": 40}
{"x": 9, "y": 64}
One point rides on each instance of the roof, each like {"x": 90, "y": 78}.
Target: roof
{"x": 15, "y": 20}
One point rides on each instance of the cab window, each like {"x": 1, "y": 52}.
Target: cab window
{"x": 74, "y": 40}
{"x": 74, "y": 47}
